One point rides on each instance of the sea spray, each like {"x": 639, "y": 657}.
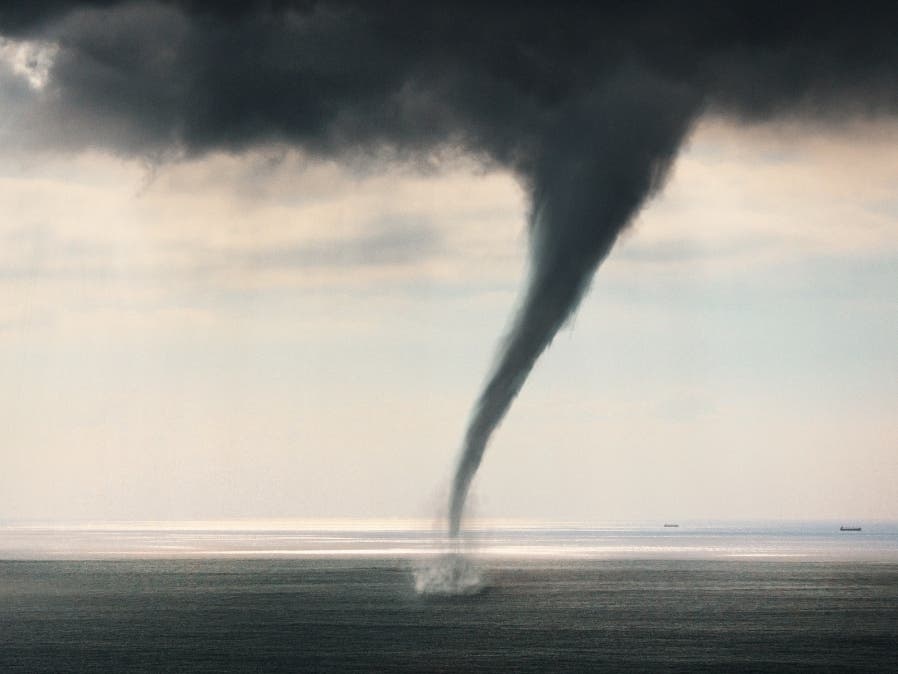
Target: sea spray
{"x": 447, "y": 575}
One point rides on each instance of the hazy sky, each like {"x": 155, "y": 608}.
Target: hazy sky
{"x": 270, "y": 334}
{"x": 267, "y": 336}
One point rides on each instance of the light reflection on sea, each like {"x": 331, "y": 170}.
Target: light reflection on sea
{"x": 282, "y": 538}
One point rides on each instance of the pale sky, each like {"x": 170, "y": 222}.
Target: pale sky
{"x": 267, "y": 335}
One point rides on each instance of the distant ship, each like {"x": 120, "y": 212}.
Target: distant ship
{"x": 847, "y": 528}
{"x": 671, "y": 526}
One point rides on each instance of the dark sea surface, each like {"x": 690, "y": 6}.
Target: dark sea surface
{"x": 306, "y": 614}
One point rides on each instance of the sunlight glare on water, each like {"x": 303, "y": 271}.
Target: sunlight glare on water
{"x": 440, "y": 560}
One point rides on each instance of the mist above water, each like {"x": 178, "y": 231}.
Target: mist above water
{"x": 449, "y": 574}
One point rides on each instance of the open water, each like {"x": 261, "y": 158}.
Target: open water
{"x": 773, "y": 608}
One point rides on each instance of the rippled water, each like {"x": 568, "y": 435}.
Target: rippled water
{"x": 153, "y": 597}
{"x": 299, "y": 615}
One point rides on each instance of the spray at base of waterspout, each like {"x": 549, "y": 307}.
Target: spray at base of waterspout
{"x": 449, "y": 575}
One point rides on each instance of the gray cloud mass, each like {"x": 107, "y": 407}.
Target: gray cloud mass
{"x": 586, "y": 103}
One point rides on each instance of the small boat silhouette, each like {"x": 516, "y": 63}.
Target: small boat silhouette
{"x": 849, "y": 528}
{"x": 671, "y": 526}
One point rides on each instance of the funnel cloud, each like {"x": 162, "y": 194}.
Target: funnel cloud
{"x": 587, "y": 104}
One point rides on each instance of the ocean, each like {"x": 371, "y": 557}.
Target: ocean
{"x": 143, "y": 598}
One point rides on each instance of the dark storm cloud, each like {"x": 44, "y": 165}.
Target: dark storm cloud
{"x": 494, "y": 80}
{"x": 586, "y": 103}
